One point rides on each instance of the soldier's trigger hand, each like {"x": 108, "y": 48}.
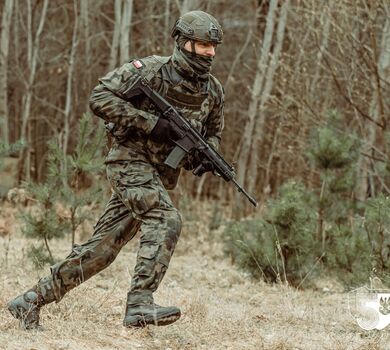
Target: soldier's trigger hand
{"x": 204, "y": 167}
{"x": 164, "y": 132}
{"x": 199, "y": 165}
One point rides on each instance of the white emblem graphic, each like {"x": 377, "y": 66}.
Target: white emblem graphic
{"x": 370, "y": 308}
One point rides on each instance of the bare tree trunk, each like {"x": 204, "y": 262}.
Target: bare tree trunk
{"x": 325, "y": 16}
{"x": 199, "y": 188}
{"x": 14, "y": 104}
{"x": 32, "y": 55}
{"x": 266, "y": 93}
{"x": 125, "y": 31}
{"x": 378, "y": 109}
{"x": 69, "y": 82}
{"x": 166, "y": 23}
{"x": 4, "y": 50}
{"x": 84, "y": 14}
{"x": 313, "y": 92}
{"x": 115, "y": 36}
{"x": 247, "y": 137}
{"x": 271, "y": 157}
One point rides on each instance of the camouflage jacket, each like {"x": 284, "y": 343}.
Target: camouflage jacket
{"x": 199, "y": 100}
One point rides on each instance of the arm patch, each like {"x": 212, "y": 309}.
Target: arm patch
{"x": 137, "y": 64}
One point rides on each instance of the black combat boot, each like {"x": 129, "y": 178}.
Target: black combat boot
{"x": 25, "y": 308}
{"x": 142, "y": 311}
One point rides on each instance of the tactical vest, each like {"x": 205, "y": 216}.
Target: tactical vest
{"x": 182, "y": 94}
{"x": 194, "y": 102}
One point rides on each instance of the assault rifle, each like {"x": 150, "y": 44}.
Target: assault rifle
{"x": 190, "y": 138}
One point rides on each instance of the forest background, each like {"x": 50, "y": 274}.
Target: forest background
{"x": 306, "y": 107}
{"x": 307, "y": 99}
{"x": 285, "y": 66}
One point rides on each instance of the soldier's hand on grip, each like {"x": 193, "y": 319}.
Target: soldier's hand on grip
{"x": 200, "y": 166}
{"x": 203, "y": 168}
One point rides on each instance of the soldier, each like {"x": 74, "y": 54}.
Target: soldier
{"x": 136, "y": 171}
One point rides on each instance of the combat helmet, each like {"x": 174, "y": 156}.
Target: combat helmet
{"x": 198, "y": 25}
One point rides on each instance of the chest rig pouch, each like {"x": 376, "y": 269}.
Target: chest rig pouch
{"x": 191, "y": 99}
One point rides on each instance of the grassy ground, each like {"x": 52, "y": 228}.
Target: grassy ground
{"x": 221, "y": 307}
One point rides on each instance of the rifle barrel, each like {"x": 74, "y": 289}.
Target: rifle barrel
{"x": 245, "y": 193}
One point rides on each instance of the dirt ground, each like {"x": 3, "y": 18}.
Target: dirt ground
{"x": 222, "y": 308}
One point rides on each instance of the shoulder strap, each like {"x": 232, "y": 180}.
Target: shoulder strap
{"x": 159, "y": 62}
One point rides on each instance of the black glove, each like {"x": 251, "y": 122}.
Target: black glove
{"x": 199, "y": 165}
{"x": 164, "y": 132}
{"x": 203, "y": 168}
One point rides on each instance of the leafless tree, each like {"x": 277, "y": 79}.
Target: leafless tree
{"x": 285, "y": 66}
{"x": 4, "y": 51}
{"x": 33, "y": 46}
{"x": 125, "y": 31}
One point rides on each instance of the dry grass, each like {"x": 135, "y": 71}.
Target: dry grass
{"x": 221, "y": 307}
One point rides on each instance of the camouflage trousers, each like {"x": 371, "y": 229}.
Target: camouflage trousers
{"x": 139, "y": 201}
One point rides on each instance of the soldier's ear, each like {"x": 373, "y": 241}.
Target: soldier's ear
{"x": 187, "y": 45}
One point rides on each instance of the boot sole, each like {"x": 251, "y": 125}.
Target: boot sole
{"x": 144, "y": 320}
{"x": 18, "y": 314}
{"x": 15, "y": 312}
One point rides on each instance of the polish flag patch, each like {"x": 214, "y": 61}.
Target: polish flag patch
{"x": 137, "y": 64}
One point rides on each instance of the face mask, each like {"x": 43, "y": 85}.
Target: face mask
{"x": 201, "y": 64}
{"x": 193, "y": 65}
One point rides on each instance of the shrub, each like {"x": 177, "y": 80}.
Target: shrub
{"x": 62, "y": 187}
{"x": 282, "y": 245}
{"x": 44, "y": 223}
{"x": 348, "y": 254}
{"x": 377, "y": 226}
{"x": 326, "y": 224}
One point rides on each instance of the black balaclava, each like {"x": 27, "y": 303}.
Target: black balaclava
{"x": 188, "y": 63}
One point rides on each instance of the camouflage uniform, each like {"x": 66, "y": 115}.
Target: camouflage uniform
{"x": 137, "y": 174}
